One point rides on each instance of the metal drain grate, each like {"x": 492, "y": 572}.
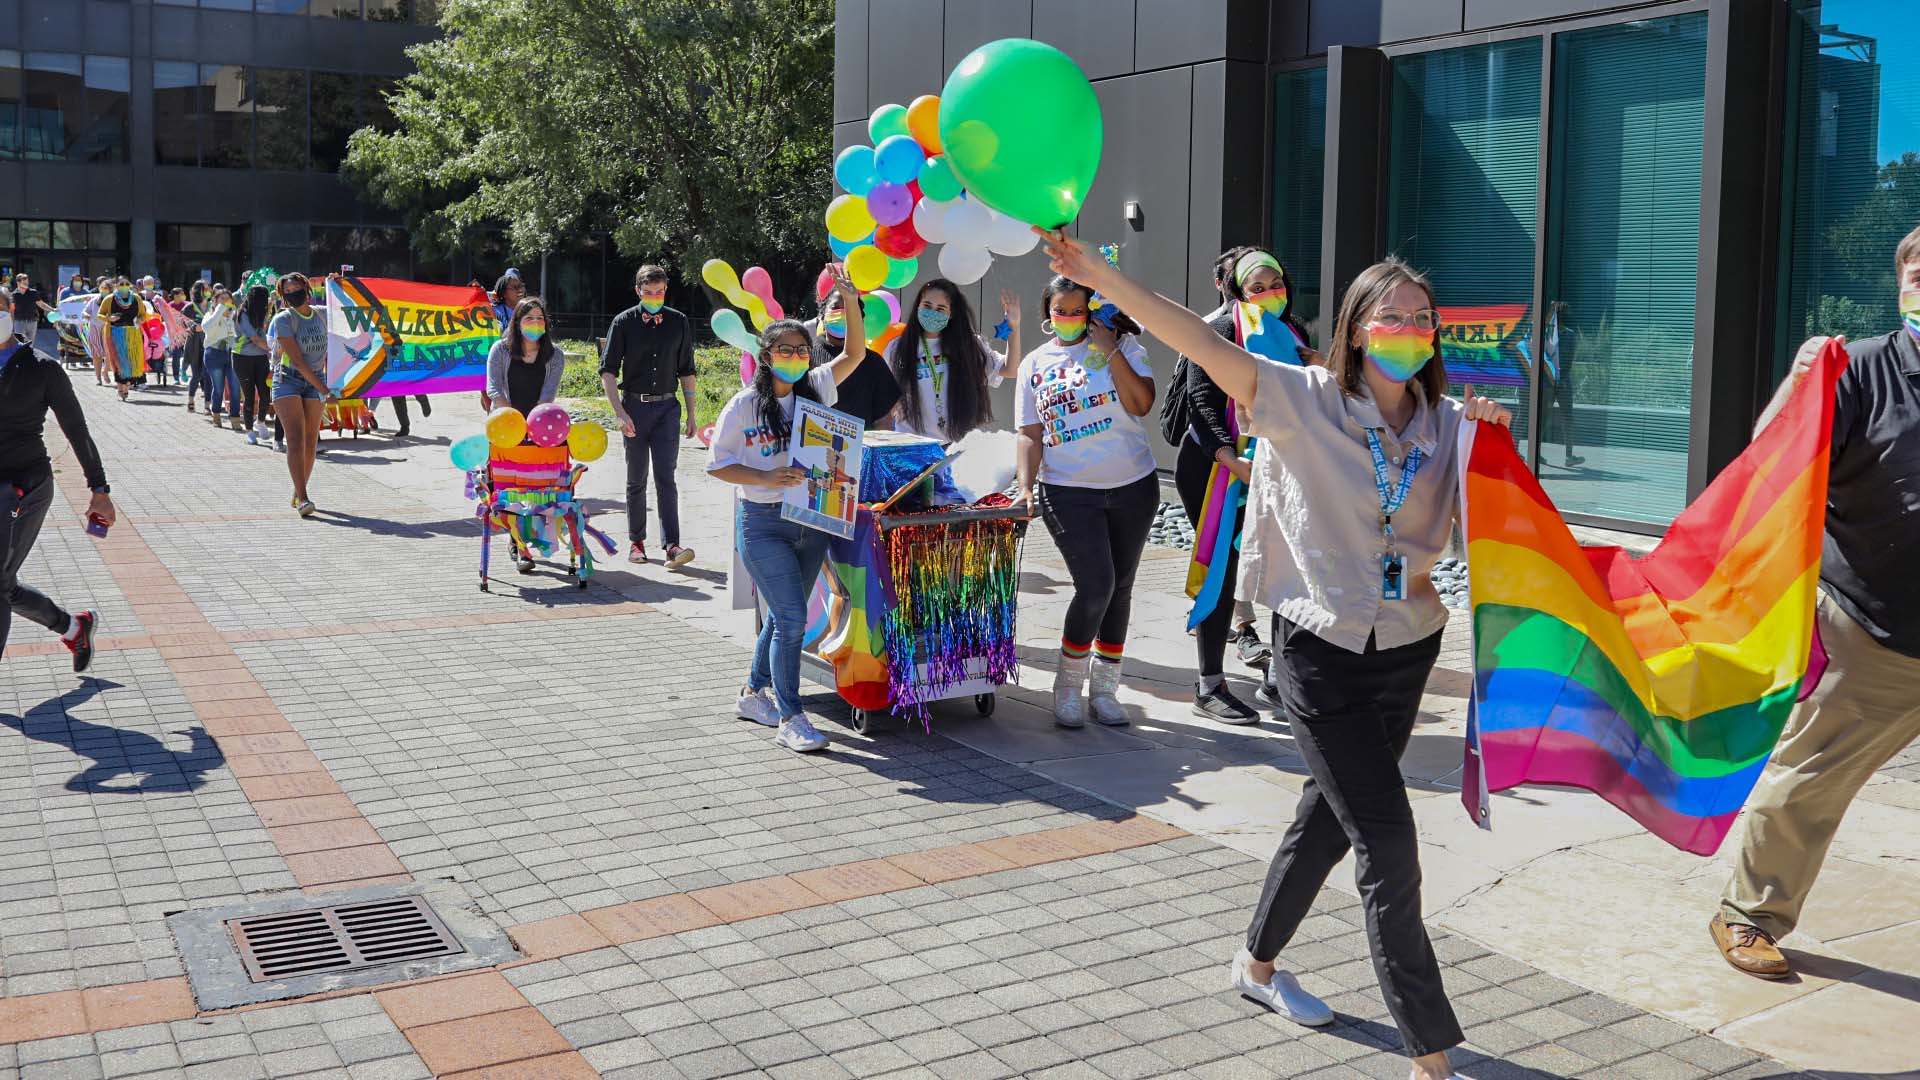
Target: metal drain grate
{"x": 340, "y": 938}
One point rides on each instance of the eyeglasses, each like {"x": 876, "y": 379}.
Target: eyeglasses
{"x": 789, "y": 352}
{"x": 1426, "y": 320}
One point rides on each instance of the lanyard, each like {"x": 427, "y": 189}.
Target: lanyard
{"x": 1391, "y": 498}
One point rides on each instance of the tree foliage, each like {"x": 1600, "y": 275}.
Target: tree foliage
{"x": 1859, "y": 300}
{"x": 688, "y": 129}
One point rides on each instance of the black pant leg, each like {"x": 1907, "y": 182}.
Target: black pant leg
{"x": 1077, "y": 520}
{"x": 23, "y": 509}
{"x": 1129, "y": 521}
{"x": 639, "y": 451}
{"x": 665, "y": 449}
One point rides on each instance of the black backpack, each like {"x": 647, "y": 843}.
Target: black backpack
{"x": 1175, "y": 413}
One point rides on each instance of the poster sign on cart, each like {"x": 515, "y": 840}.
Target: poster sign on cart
{"x": 826, "y": 445}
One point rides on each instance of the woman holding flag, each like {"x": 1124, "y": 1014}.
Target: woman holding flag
{"x": 1215, "y": 470}
{"x": 1347, "y": 566}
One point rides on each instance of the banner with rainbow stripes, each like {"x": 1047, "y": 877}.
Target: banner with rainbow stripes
{"x": 1485, "y": 344}
{"x": 1661, "y": 684}
{"x": 386, "y": 338}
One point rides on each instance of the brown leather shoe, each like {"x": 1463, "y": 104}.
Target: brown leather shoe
{"x": 1749, "y": 949}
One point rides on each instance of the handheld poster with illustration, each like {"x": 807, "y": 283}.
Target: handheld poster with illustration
{"x": 826, "y": 444}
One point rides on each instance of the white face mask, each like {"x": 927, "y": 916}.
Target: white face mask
{"x": 6, "y": 328}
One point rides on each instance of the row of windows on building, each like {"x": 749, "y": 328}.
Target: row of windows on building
{"x": 68, "y": 107}
{"x": 419, "y": 12}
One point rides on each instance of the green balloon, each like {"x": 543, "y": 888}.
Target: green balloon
{"x": 1031, "y": 164}
{"x": 887, "y": 120}
{"x": 874, "y": 311}
{"x": 937, "y": 181}
{"x": 902, "y": 272}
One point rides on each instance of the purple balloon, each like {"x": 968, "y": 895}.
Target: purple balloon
{"x": 890, "y": 204}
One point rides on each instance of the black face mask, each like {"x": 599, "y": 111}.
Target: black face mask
{"x": 296, "y": 297}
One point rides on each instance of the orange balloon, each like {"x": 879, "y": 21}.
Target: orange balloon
{"x": 879, "y": 344}
{"x": 923, "y": 122}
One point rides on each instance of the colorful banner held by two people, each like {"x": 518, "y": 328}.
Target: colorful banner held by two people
{"x": 388, "y": 338}
{"x": 1661, "y": 683}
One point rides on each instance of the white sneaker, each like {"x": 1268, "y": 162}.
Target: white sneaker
{"x": 1282, "y": 994}
{"x": 279, "y": 446}
{"x": 253, "y": 438}
{"x": 758, "y": 706}
{"x": 798, "y": 735}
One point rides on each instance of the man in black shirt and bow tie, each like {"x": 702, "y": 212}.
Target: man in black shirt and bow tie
{"x": 649, "y": 350}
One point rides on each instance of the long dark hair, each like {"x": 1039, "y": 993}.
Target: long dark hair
{"x": 1368, "y": 291}
{"x": 968, "y": 406}
{"x": 257, "y": 307}
{"x": 772, "y": 419}
{"x": 517, "y": 342}
{"x": 1231, "y": 290}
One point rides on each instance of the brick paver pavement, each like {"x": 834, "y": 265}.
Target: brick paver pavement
{"x": 694, "y": 902}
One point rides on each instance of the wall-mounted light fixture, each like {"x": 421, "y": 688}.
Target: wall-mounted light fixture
{"x": 1136, "y": 217}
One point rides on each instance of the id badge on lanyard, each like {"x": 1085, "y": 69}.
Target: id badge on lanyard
{"x": 1393, "y": 566}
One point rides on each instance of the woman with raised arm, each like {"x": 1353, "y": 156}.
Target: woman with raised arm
{"x": 1341, "y": 542}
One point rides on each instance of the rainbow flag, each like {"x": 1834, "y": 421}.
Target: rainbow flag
{"x": 386, "y": 338}
{"x": 1485, "y": 344}
{"x": 1660, "y": 684}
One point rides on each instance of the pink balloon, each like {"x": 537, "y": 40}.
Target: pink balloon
{"x": 547, "y": 425}
{"x": 893, "y": 306}
{"x": 746, "y": 369}
{"x": 760, "y": 283}
{"x": 823, "y": 284}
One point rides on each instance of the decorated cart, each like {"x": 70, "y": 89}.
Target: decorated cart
{"x": 347, "y": 417}
{"x": 523, "y": 477}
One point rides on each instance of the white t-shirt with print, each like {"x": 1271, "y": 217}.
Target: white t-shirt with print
{"x": 1087, "y": 438}
{"x": 740, "y": 439}
{"x": 930, "y": 382}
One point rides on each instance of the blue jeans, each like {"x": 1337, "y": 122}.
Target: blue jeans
{"x": 783, "y": 558}
{"x": 223, "y": 389}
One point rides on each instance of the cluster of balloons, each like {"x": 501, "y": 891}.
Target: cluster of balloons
{"x": 903, "y": 194}
{"x": 752, "y": 292}
{"x": 547, "y": 425}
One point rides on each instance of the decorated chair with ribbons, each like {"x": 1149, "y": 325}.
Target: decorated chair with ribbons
{"x": 527, "y": 492}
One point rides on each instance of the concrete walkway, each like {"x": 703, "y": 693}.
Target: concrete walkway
{"x": 332, "y": 704}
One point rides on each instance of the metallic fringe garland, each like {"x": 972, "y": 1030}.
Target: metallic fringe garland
{"x": 955, "y": 592}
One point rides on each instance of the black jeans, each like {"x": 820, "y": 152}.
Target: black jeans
{"x": 23, "y": 507}
{"x": 655, "y": 446}
{"x": 254, "y": 400}
{"x": 1191, "y": 472}
{"x": 1352, "y": 714}
{"x": 1101, "y": 533}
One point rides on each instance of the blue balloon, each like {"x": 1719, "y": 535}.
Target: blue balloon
{"x": 469, "y": 453}
{"x": 854, "y": 170}
{"x": 841, "y": 249}
{"x": 898, "y": 159}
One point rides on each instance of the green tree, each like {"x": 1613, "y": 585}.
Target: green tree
{"x": 689, "y": 129}
{"x": 1863, "y": 244}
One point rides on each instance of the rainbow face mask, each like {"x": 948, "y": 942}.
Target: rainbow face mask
{"x": 834, "y": 324}
{"x": 790, "y": 371}
{"x": 1069, "y": 329}
{"x": 1910, "y": 311}
{"x": 533, "y": 331}
{"x": 1399, "y": 354}
{"x": 653, "y": 304}
{"x": 1273, "y": 302}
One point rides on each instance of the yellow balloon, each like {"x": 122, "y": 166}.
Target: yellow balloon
{"x": 587, "y": 441}
{"x": 757, "y": 311}
{"x": 849, "y": 220}
{"x": 506, "y": 426}
{"x": 867, "y": 266}
{"x": 719, "y": 274}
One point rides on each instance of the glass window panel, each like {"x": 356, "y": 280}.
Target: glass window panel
{"x": 1462, "y": 204}
{"x": 69, "y": 234}
{"x": 99, "y": 266}
{"x": 1299, "y": 162}
{"x": 379, "y": 115}
{"x": 176, "y": 3}
{"x": 370, "y": 251}
{"x": 336, "y": 114}
{"x": 53, "y": 107}
{"x": 107, "y": 79}
{"x": 35, "y": 234}
{"x": 7, "y": 233}
{"x": 10, "y": 89}
{"x": 280, "y": 118}
{"x": 420, "y": 12}
{"x": 226, "y": 116}
{"x": 1629, "y": 105}
{"x": 176, "y": 113}
{"x": 103, "y": 236}
{"x": 1854, "y": 168}
{"x": 228, "y": 5}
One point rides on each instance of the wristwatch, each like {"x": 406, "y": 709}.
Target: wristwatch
{"x": 103, "y": 489}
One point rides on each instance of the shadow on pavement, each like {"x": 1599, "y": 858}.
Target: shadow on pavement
{"x": 116, "y": 752}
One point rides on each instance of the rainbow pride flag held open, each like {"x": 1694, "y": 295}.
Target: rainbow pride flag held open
{"x": 386, "y": 338}
{"x": 1660, "y": 684}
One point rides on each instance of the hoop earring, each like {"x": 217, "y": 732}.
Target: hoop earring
{"x": 1046, "y": 327}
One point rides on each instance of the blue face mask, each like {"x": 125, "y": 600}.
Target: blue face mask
{"x": 932, "y": 320}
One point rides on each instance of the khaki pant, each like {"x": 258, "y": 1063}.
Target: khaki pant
{"x": 1866, "y": 710}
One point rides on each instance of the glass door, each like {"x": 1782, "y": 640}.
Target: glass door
{"x": 1622, "y": 255}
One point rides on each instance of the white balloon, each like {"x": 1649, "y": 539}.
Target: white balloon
{"x": 930, "y": 220}
{"x": 964, "y": 264}
{"x": 1009, "y": 236}
{"x": 968, "y": 223}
